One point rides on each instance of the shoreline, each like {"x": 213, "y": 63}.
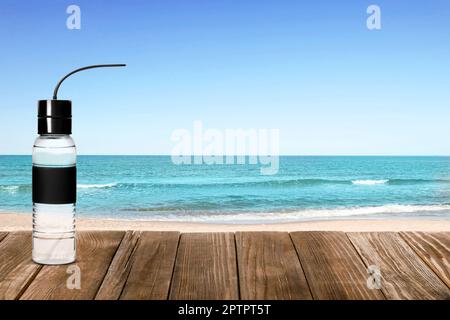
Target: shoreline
{"x": 23, "y": 222}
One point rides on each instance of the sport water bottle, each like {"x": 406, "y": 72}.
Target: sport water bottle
{"x": 54, "y": 180}
{"x": 54, "y": 184}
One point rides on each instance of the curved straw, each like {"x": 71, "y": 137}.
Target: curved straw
{"x": 55, "y": 93}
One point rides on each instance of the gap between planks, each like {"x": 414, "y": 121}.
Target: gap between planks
{"x": 3, "y": 235}
{"x": 404, "y": 275}
{"x": 269, "y": 267}
{"x": 142, "y": 267}
{"x": 17, "y": 270}
{"x": 95, "y": 251}
{"x": 333, "y": 268}
{"x": 433, "y": 249}
{"x": 205, "y": 267}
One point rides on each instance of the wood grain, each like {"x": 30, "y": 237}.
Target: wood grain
{"x": 95, "y": 251}
{"x": 434, "y": 249}
{"x": 404, "y": 274}
{"x": 269, "y": 267}
{"x": 16, "y": 267}
{"x": 333, "y": 267}
{"x": 158, "y": 265}
{"x": 119, "y": 269}
{"x": 205, "y": 267}
{"x": 152, "y": 267}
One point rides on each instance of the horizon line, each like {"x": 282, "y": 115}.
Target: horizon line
{"x": 281, "y": 155}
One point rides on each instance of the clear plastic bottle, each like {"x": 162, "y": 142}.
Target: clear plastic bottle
{"x": 54, "y": 224}
{"x": 55, "y": 180}
{"x": 54, "y": 190}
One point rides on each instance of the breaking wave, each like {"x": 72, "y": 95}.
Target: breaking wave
{"x": 91, "y": 186}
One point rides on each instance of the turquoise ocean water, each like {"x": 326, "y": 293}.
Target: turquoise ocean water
{"x": 305, "y": 188}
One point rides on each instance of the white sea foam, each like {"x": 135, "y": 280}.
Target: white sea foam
{"x": 302, "y": 215}
{"x": 10, "y": 189}
{"x": 90, "y": 186}
{"x": 369, "y": 182}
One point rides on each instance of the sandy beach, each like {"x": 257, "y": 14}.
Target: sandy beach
{"x": 18, "y": 222}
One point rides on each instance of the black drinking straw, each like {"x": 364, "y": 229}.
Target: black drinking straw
{"x": 55, "y": 93}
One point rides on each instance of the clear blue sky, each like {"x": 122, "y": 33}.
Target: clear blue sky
{"x": 311, "y": 69}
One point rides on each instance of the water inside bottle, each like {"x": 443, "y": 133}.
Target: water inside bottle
{"x": 54, "y": 233}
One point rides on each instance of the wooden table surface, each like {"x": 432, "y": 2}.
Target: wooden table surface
{"x": 242, "y": 265}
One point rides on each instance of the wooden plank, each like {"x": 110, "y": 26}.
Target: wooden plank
{"x": 434, "y": 249}
{"x": 333, "y": 267}
{"x": 152, "y": 267}
{"x": 119, "y": 269}
{"x": 16, "y": 267}
{"x": 205, "y": 267}
{"x": 269, "y": 267}
{"x": 404, "y": 274}
{"x": 95, "y": 251}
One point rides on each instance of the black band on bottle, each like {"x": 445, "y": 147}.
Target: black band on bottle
{"x": 54, "y": 185}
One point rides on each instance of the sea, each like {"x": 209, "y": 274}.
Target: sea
{"x": 305, "y": 188}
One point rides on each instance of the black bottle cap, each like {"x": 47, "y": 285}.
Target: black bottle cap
{"x": 54, "y": 117}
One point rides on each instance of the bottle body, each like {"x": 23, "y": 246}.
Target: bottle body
{"x": 54, "y": 198}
